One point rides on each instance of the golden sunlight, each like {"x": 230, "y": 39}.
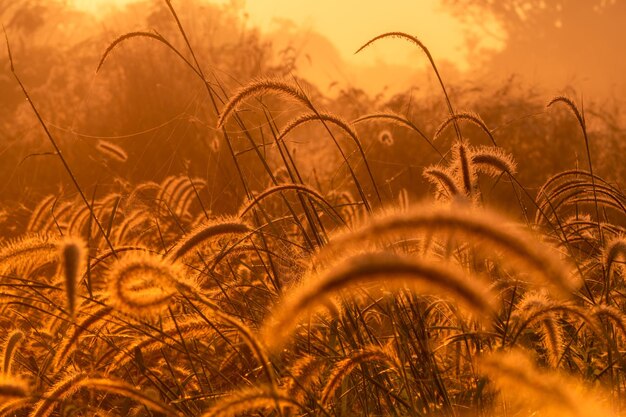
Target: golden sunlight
{"x": 98, "y": 7}
{"x": 215, "y": 208}
{"x": 426, "y": 19}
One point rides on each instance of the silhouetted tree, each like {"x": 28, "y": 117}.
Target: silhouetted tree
{"x": 560, "y": 42}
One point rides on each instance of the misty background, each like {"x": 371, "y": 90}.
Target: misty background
{"x": 512, "y": 58}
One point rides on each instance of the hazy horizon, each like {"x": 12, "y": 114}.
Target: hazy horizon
{"x": 325, "y": 49}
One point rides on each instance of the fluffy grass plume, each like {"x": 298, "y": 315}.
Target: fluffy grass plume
{"x": 260, "y": 87}
{"x": 9, "y": 348}
{"x": 39, "y": 216}
{"x": 442, "y": 179}
{"x": 309, "y": 298}
{"x": 473, "y": 118}
{"x": 134, "y": 35}
{"x": 478, "y": 225}
{"x": 142, "y": 284}
{"x": 206, "y": 232}
{"x": 385, "y": 137}
{"x": 492, "y": 160}
{"x": 533, "y": 390}
{"x": 539, "y": 308}
{"x": 466, "y": 172}
{"x": 73, "y": 255}
{"x": 26, "y": 253}
{"x": 615, "y": 250}
{"x": 112, "y": 151}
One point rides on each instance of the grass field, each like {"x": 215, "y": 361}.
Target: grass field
{"x": 295, "y": 255}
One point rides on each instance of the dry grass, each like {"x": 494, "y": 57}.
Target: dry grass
{"x": 143, "y": 301}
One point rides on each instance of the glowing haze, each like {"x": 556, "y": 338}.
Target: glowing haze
{"x": 347, "y": 24}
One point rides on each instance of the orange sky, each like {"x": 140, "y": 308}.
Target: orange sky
{"x": 349, "y": 23}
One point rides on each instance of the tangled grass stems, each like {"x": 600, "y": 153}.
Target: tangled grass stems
{"x": 391, "y": 271}
{"x": 248, "y": 399}
{"x": 68, "y": 343}
{"x": 546, "y": 310}
{"x": 344, "y": 367}
{"x": 62, "y": 389}
{"x": 580, "y": 117}
{"x": 123, "y": 388}
{"x": 298, "y": 188}
{"x": 336, "y": 120}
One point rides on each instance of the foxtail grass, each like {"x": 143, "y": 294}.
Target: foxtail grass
{"x": 205, "y": 232}
{"x": 258, "y": 88}
{"x": 73, "y": 256}
{"x": 478, "y": 226}
{"x": 9, "y": 348}
{"x": 143, "y": 285}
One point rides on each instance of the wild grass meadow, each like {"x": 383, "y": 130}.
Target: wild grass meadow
{"x": 189, "y": 229}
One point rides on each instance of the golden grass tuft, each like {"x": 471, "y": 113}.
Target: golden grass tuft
{"x": 9, "y": 348}
{"x": 442, "y": 179}
{"x": 27, "y": 253}
{"x": 536, "y": 391}
{"x": 305, "y": 300}
{"x": 480, "y": 226}
{"x": 205, "y": 232}
{"x": 73, "y": 254}
{"x": 473, "y": 118}
{"x": 112, "y": 151}
{"x": 68, "y": 343}
{"x": 493, "y": 161}
{"x": 143, "y": 285}
{"x": 258, "y": 88}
